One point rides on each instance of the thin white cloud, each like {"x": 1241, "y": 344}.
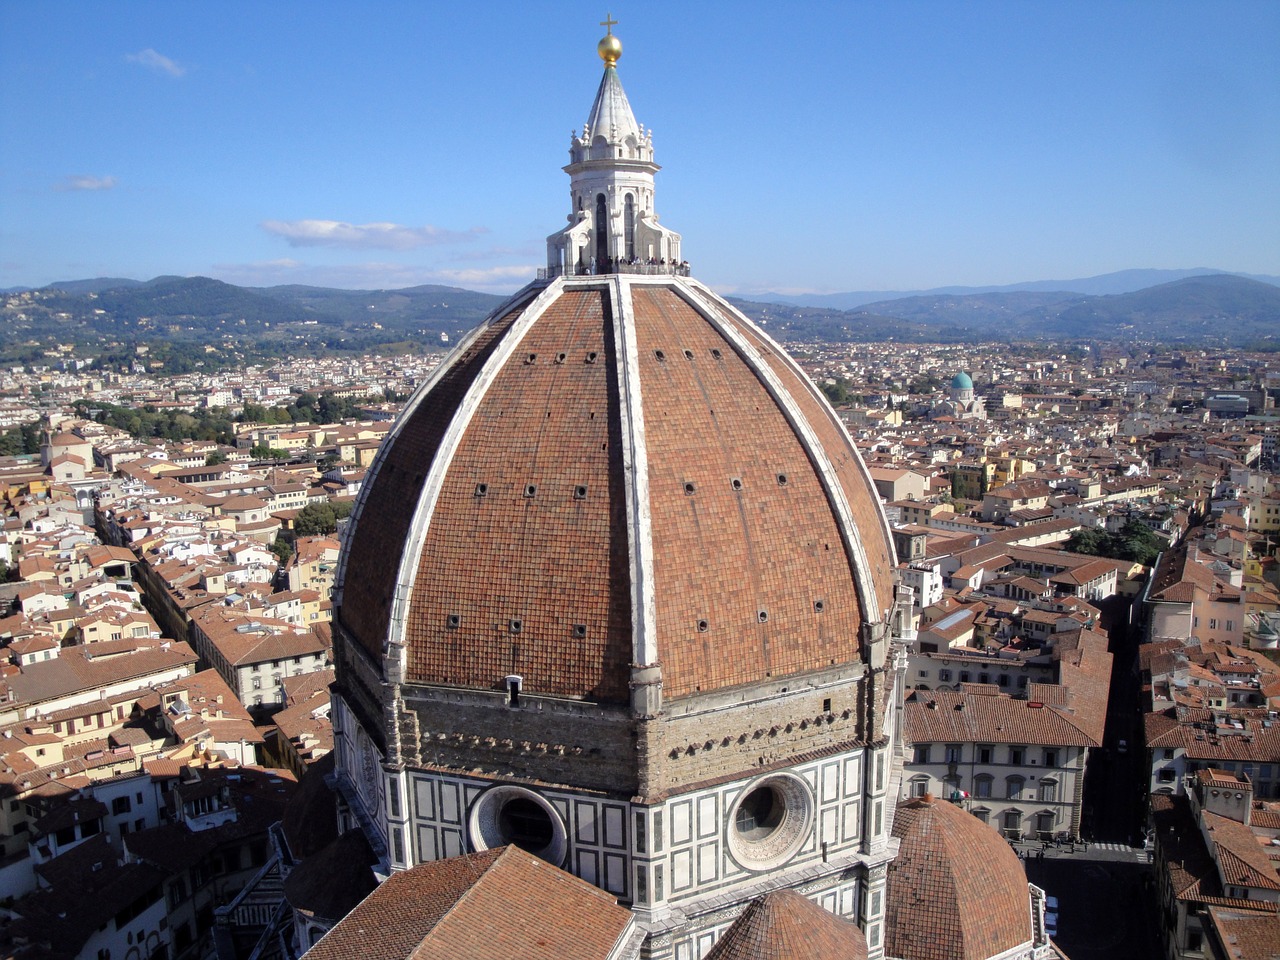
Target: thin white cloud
{"x": 156, "y": 61}
{"x": 82, "y": 181}
{"x": 489, "y": 277}
{"x": 364, "y": 236}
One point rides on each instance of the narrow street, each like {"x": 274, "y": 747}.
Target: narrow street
{"x": 1105, "y": 888}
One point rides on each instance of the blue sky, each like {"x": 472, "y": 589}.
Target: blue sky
{"x": 813, "y": 147}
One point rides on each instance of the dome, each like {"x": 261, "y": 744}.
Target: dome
{"x": 618, "y": 591}
{"x": 956, "y": 890}
{"x": 962, "y": 381}
{"x": 783, "y": 925}
{"x": 613, "y": 471}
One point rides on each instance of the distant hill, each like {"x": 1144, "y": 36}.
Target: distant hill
{"x": 191, "y": 322}
{"x": 1219, "y": 309}
{"x": 185, "y": 323}
{"x": 1122, "y": 281}
{"x": 94, "y": 286}
{"x": 1213, "y": 309}
{"x": 408, "y": 307}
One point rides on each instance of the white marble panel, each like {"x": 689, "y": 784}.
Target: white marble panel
{"x": 681, "y": 827}
{"x": 615, "y": 833}
{"x": 428, "y": 847}
{"x": 852, "y": 822}
{"x": 585, "y": 814}
{"x": 453, "y": 845}
{"x": 588, "y": 865}
{"x": 830, "y": 782}
{"x": 708, "y": 818}
{"x": 830, "y": 826}
{"x": 848, "y": 901}
{"x": 852, "y": 777}
{"x": 681, "y": 871}
{"x": 450, "y": 811}
{"x": 424, "y": 799}
{"x": 708, "y": 860}
{"x": 615, "y": 873}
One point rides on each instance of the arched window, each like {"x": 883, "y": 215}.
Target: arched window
{"x": 1048, "y": 790}
{"x": 602, "y": 235}
{"x": 982, "y": 785}
{"x": 629, "y": 225}
{"x": 1013, "y": 787}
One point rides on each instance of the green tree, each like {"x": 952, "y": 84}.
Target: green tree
{"x": 1135, "y": 541}
{"x": 282, "y": 549}
{"x": 19, "y": 440}
{"x": 263, "y": 452}
{"x": 316, "y": 519}
{"x": 837, "y": 392}
{"x": 215, "y": 458}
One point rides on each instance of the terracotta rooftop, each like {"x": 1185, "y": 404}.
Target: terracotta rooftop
{"x": 786, "y": 925}
{"x": 703, "y": 461}
{"x": 956, "y": 890}
{"x": 939, "y": 716}
{"x": 502, "y": 902}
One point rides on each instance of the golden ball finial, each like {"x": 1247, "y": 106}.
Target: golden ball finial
{"x": 610, "y": 47}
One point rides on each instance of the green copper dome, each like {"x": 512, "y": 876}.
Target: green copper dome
{"x": 962, "y": 381}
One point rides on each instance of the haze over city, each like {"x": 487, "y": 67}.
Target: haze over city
{"x": 818, "y": 148}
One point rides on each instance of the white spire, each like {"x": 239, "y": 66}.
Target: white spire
{"x": 612, "y": 223}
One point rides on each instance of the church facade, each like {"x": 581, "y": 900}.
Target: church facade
{"x": 619, "y": 590}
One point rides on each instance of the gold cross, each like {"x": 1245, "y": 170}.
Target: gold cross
{"x": 608, "y": 23}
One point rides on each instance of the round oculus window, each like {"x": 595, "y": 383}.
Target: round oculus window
{"x": 770, "y": 821}
{"x": 509, "y": 814}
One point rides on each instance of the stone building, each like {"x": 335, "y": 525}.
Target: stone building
{"x": 961, "y": 403}
{"x": 618, "y": 589}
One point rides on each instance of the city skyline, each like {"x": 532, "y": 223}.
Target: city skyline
{"x": 830, "y": 150}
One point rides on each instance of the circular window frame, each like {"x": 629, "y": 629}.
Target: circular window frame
{"x": 484, "y": 829}
{"x": 784, "y": 840}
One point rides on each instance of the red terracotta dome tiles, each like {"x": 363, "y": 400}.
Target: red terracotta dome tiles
{"x": 749, "y": 560}
{"x": 528, "y": 568}
{"x": 374, "y": 556}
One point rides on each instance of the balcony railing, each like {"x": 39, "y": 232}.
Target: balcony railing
{"x": 641, "y": 267}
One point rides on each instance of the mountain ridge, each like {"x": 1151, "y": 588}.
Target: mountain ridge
{"x": 191, "y": 322}
{"x": 1120, "y": 281}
